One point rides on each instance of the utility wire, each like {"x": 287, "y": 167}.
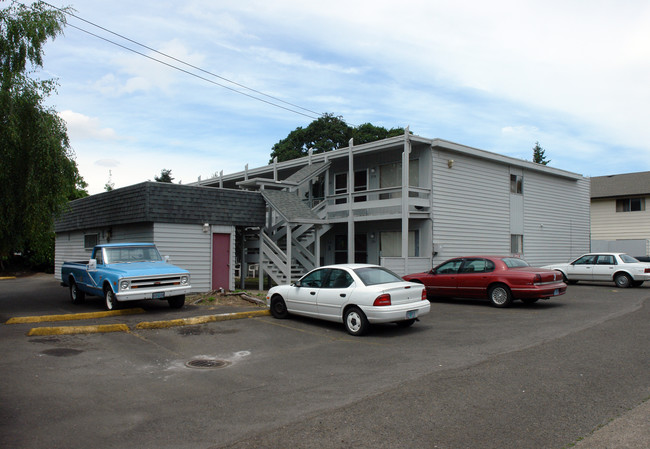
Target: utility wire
{"x": 317, "y": 114}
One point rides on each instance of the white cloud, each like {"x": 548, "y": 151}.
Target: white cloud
{"x": 82, "y": 127}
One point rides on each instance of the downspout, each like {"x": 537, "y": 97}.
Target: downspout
{"x": 350, "y": 215}
{"x": 405, "y": 199}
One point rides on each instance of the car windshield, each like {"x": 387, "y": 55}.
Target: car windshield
{"x": 628, "y": 259}
{"x": 377, "y": 275}
{"x": 128, "y": 254}
{"x": 514, "y": 262}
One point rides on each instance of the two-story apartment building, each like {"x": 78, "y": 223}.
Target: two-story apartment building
{"x": 408, "y": 203}
{"x": 620, "y": 217}
{"x": 405, "y": 202}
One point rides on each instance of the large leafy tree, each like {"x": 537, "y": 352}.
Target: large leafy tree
{"x": 38, "y": 174}
{"x": 165, "y": 176}
{"x": 327, "y": 133}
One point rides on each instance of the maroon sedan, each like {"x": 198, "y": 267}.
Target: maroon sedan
{"x": 501, "y": 279}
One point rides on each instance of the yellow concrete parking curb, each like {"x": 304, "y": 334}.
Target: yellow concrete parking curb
{"x": 102, "y": 328}
{"x": 68, "y": 330}
{"x": 200, "y": 319}
{"x": 6, "y": 278}
{"x": 72, "y": 316}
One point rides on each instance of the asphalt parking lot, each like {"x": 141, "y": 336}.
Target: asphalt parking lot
{"x": 571, "y": 370}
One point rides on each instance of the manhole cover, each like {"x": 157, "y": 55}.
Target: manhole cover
{"x": 206, "y": 363}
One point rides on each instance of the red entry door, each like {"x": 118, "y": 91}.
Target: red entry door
{"x": 220, "y": 261}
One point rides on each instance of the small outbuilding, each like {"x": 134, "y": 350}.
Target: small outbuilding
{"x": 200, "y": 228}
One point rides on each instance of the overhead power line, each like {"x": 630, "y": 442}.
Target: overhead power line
{"x": 289, "y": 106}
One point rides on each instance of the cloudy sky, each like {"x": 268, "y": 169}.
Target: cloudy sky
{"x": 499, "y": 76}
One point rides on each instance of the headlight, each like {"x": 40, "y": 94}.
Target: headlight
{"x": 185, "y": 280}
{"x": 124, "y": 285}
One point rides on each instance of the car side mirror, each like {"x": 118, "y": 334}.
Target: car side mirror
{"x": 92, "y": 265}
{"x": 297, "y": 284}
{"x": 166, "y": 259}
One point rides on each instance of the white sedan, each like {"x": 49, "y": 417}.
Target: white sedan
{"x": 620, "y": 268}
{"x": 355, "y": 295}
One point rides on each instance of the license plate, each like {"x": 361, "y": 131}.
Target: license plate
{"x": 411, "y": 314}
{"x": 556, "y": 292}
{"x": 158, "y": 295}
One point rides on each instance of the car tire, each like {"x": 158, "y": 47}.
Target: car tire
{"x": 176, "y": 302}
{"x": 111, "y": 301}
{"x": 529, "y": 300}
{"x": 76, "y": 295}
{"x": 278, "y": 308}
{"x": 500, "y": 295}
{"x": 355, "y": 321}
{"x": 623, "y": 280}
{"x": 406, "y": 323}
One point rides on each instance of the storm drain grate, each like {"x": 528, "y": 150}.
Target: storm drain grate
{"x": 207, "y": 363}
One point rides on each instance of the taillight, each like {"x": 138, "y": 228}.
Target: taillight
{"x": 647, "y": 270}
{"x": 382, "y": 300}
{"x": 538, "y": 279}
{"x": 424, "y": 294}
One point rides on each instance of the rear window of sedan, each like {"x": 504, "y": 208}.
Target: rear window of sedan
{"x": 514, "y": 262}
{"x": 377, "y": 275}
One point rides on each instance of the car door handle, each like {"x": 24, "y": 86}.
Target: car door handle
{"x": 342, "y": 295}
{"x": 312, "y": 293}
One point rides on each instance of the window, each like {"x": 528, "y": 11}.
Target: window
{"x": 449, "y": 267}
{"x": 90, "y": 240}
{"x": 360, "y": 184}
{"x": 605, "y": 260}
{"x": 390, "y": 244}
{"x": 516, "y": 184}
{"x": 341, "y": 187}
{"x": 390, "y": 175}
{"x": 516, "y": 243}
{"x": 338, "y": 279}
{"x": 630, "y": 204}
{"x": 314, "y": 279}
{"x": 477, "y": 266}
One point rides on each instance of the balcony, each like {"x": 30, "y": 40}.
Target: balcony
{"x": 378, "y": 204}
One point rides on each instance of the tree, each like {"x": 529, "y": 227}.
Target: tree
{"x": 39, "y": 174}
{"x": 110, "y": 185}
{"x": 539, "y": 156}
{"x": 327, "y": 133}
{"x": 165, "y": 176}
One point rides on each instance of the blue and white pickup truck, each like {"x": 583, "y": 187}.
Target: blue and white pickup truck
{"x": 121, "y": 272}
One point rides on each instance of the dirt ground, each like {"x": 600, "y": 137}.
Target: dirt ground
{"x": 235, "y": 298}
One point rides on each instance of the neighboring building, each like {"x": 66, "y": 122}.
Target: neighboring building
{"x": 448, "y": 199}
{"x": 197, "y": 227}
{"x": 620, "y": 217}
{"x": 406, "y": 202}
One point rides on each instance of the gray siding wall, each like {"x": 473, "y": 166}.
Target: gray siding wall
{"x": 475, "y": 213}
{"x": 188, "y": 247}
{"x": 470, "y": 206}
{"x": 557, "y": 221}
{"x": 69, "y": 246}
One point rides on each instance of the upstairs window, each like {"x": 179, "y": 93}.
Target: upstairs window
{"x": 630, "y": 205}
{"x": 516, "y": 184}
{"x": 90, "y": 240}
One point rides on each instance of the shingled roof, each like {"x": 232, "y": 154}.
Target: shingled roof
{"x": 290, "y": 206}
{"x": 628, "y": 184}
{"x": 158, "y": 202}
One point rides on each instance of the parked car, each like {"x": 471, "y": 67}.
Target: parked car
{"x": 623, "y": 270}
{"x": 501, "y": 279}
{"x": 356, "y": 295}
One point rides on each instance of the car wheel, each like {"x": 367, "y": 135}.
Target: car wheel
{"x": 406, "y": 323}
{"x": 279, "y": 308}
{"x": 176, "y": 302}
{"x": 355, "y": 321}
{"x": 623, "y": 280}
{"x": 529, "y": 300}
{"x": 76, "y": 295}
{"x": 111, "y": 300}
{"x": 637, "y": 283}
{"x": 500, "y": 295}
